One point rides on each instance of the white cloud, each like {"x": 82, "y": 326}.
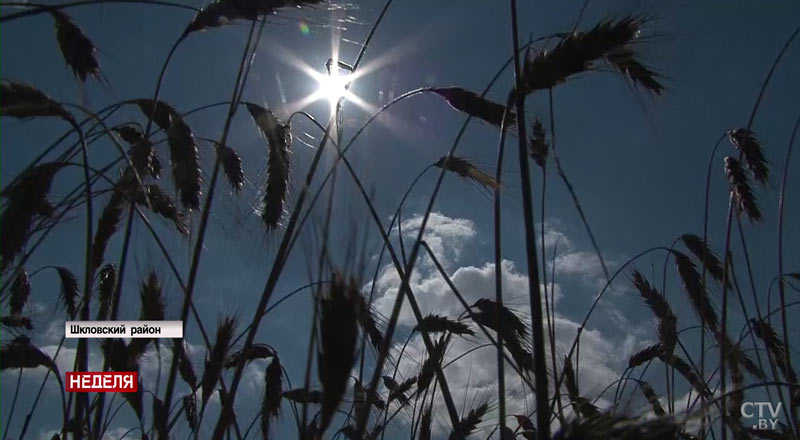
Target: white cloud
{"x": 445, "y": 236}
{"x": 47, "y": 435}
{"x": 553, "y": 237}
{"x": 473, "y": 378}
{"x": 570, "y": 260}
{"x": 118, "y": 432}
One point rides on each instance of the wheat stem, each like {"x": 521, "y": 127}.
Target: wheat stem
{"x": 781, "y": 288}
{"x": 13, "y": 405}
{"x": 28, "y": 416}
{"x": 115, "y": 305}
{"x": 762, "y": 90}
{"x": 597, "y": 299}
{"x": 540, "y": 367}
{"x": 498, "y": 267}
{"x": 412, "y": 259}
{"x": 381, "y": 253}
{"x": 320, "y": 264}
{"x": 411, "y": 300}
{"x": 284, "y": 248}
{"x": 755, "y": 300}
{"x": 241, "y": 78}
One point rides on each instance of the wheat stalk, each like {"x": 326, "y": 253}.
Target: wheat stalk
{"x": 465, "y": 169}
{"x": 474, "y": 105}
{"x": 231, "y": 167}
{"x": 698, "y": 295}
{"x": 142, "y": 152}
{"x": 704, "y": 254}
{"x": 183, "y": 149}
{"x": 538, "y": 147}
{"x": 77, "y": 49}
{"x": 24, "y": 101}
{"x": 27, "y": 200}
{"x": 740, "y": 187}
{"x": 581, "y": 404}
{"x": 579, "y": 50}
{"x": 216, "y": 358}
{"x": 428, "y": 370}
{"x": 369, "y": 324}
{"x": 397, "y": 391}
{"x": 645, "y": 355}
{"x": 20, "y": 292}
{"x": 255, "y": 351}
{"x": 21, "y": 353}
{"x": 652, "y": 398}
{"x": 279, "y": 141}
{"x": 108, "y": 223}
{"x": 69, "y": 290}
{"x": 425, "y": 424}
{"x": 185, "y": 367}
{"x": 120, "y": 357}
{"x": 441, "y": 324}
{"x": 302, "y": 395}
{"x": 776, "y": 347}
{"x": 338, "y": 338}
{"x": 470, "y": 422}
{"x": 667, "y": 321}
{"x": 161, "y": 203}
{"x": 752, "y": 151}
{"x": 107, "y": 279}
{"x": 221, "y": 12}
{"x": 271, "y": 400}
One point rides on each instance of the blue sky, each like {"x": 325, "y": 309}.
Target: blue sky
{"x": 637, "y": 162}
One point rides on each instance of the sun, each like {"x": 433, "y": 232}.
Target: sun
{"x": 332, "y": 86}
{"x": 334, "y": 83}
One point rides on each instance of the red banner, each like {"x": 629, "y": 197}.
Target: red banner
{"x": 102, "y": 382}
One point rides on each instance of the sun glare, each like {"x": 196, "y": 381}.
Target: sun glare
{"x": 332, "y": 87}
{"x": 333, "y": 84}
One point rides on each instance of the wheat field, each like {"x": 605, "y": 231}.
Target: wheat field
{"x": 535, "y": 220}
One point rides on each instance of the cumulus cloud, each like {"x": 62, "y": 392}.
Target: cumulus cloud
{"x": 473, "y": 378}
{"x": 446, "y": 236}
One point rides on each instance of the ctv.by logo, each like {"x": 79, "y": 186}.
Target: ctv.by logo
{"x": 748, "y": 411}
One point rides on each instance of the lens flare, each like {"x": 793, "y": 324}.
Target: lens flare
{"x": 304, "y": 29}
